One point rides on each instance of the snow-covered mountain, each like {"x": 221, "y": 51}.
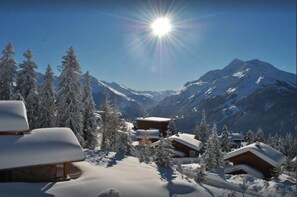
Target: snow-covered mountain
{"x": 132, "y": 103}
{"x": 235, "y": 96}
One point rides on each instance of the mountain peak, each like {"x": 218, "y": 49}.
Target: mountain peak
{"x": 236, "y": 61}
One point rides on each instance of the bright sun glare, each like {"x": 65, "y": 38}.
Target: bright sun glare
{"x": 161, "y": 26}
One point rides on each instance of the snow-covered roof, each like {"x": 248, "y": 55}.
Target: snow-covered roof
{"x": 150, "y": 133}
{"x": 154, "y": 119}
{"x": 263, "y": 151}
{"x": 248, "y": 169}
{"x": 40, "y": 146}
{"x": 185, "y": 139}
{"x": 13, "y": 116}
{"x": 233, "y": 137}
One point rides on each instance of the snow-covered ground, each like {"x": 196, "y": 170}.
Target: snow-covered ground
{"x": 127, "y": 177}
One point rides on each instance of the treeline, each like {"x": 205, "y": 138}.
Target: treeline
{"x": 71, "y": 106}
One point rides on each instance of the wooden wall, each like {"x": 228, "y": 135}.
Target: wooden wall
{"x": 185, "y": 149}
{"x": 254, "y": 161}
{"x": 146, "y": 124}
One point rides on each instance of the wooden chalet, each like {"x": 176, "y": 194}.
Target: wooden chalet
{"x": 38, "y": 155}
{"x": 257, "y": 157}
{"x": 147, "y": 123}
{"x": 235, "y": 139}
{"x": 185, "y": 145}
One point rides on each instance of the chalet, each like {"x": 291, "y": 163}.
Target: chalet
{"x": 185, "y": 145}
{"x": 37, "y": 155}
{"x": 153, "y": 123}
{"x": 235, "y": 139}
{"x": 152, "y": 135}
{"x": 258, "y": 159}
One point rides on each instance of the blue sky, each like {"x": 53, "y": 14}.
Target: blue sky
{"x": 114, "y": 41}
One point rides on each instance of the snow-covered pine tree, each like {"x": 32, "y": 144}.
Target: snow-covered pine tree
{"x": 144, "y": 151}
{"x": 105, "y": 123}
{"x": 89, "y": 118}
{"x": 125, "y": 144}
{"x": 7, "y": 72}
{"x": 115, "y": 126}
{"x": 171, "y": 129}
{"x": 110, "y": 125}
{"x": 179, "y": 168}
{"x": 201, "y": 131}
{"x": 69, "y": 95}
{"x": 213, "y": 154}
{"x": 47, "y": 101}
{"x": 259, "y": 136}
{"x": 249, "y": 137}
{"x": 225, "y": 144}
{"x": 27, "y": 87}
{"x": 199, "y": 174}
{"x": 163, "y": 153}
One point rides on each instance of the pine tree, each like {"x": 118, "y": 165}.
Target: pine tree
{"x": 125, "y": 144}
{"x": 47, "y": 101}
{"x": 7, "y": 72}
{"x": 69, "y": 96}
{"x": 144, "y": 152}
{"x": 179, "y": 168}
{"x": 201, "y": 131}
{"x": 213, "y": 154}
{"x": 259, "y": 136}
{"x": 110, "y": 125}
{"x": 163, "y": 153}
{"x": 27, "y": 87}
{"x": 225, "y": 144}
{"x": 199, "y": 174}
{"x": 89, "y": 118}
{"x": 171, "y": 129}
{"x": 249, "y": 137}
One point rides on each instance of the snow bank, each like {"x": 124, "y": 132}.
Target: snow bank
{"x": 40, "y": 146}
{"x": 13, "y": 116}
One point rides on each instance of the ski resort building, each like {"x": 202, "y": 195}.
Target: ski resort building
{"x": 147, "y": 123}
{"x": 258, "y": 159}
{"x": 235, "y": 140}
{"x": 34, "y": 155}
{"x": 185, "y": 145}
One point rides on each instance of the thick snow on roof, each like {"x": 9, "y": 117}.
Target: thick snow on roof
{"x": 246, "y": 168}
{"x": 150, "y": 133}
{"x": 154, "y": 119}
{"x": 235, "y": 137}
{"x": 187, "y": 140}
{"x": 13, "y": 116}
{"x": 263, "y": 151}
{"x": 40, "y": 146}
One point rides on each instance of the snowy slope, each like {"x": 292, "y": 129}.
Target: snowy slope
{"x": 222, "y": 92}
{"x": 130, "y": 178}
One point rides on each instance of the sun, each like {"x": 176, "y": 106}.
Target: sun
{"x": 161, "y": 26}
